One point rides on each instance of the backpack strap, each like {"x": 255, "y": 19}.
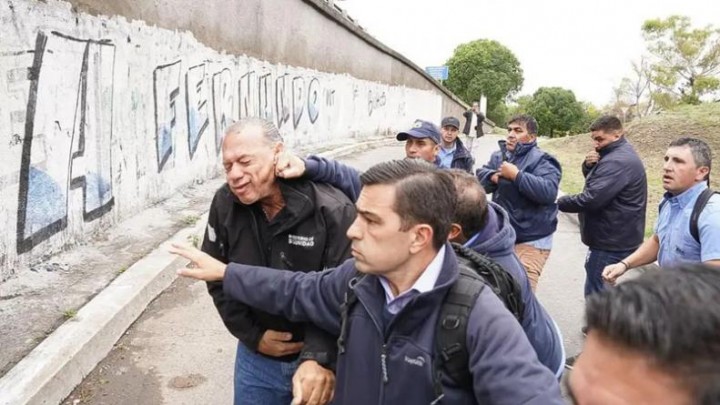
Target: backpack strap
{"x": 451, "y": 354}
{"x": 700, "y": 204}
{"x": 475, "y": 273}
{"x": 502, "y": 283}
{"x": 348, "y": 302}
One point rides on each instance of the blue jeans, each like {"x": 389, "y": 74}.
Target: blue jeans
{"x": 595, "y": 262}
{"x": 261, "y": 380}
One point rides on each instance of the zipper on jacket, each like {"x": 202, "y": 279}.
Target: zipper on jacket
{"x": 383, "y": 363}
{"x": 286, "y": 261}
{"x": 259, "y": 242}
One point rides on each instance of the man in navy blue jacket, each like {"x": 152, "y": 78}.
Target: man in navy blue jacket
{"x": 400, "y": 274}
{"x": 524, "y": 181}
{"x": 612, "y": 204}
{"x": 485, "y": 228}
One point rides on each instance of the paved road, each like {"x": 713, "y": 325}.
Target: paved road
{"x": 179, "y": 352}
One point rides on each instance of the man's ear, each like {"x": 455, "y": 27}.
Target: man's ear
{"x": 702, "y": 173}
{"x": 436, "y": 150}
{"x": 278, "y": 148}
{"x": 423, "y": 236}
{"x": 456, "y": 233}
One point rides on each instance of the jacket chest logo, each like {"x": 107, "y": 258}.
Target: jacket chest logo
{"x": 417, "y": 361}
{"x": 304, "y": 241}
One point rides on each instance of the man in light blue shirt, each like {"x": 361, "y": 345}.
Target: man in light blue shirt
{"x": 453, "y": 154}
{"x": 686, "y": 173}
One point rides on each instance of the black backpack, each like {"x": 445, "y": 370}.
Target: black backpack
{"x": 700, "y": 204}
{"x": 451, "y": 354}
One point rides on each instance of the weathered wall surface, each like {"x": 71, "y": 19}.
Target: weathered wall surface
{"x": 102, "y": 115}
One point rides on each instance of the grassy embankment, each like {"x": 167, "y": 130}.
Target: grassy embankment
{"x": 650, "y": 136}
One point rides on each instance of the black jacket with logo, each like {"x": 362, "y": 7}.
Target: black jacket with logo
{"x": 308, "y": 236}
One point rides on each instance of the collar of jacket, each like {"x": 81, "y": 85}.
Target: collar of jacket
{"x": 611, "y": 147}
{"x": 520, "y": 148}
{"x": 371, "y": 294}
{"x": 298, "y": 202}
{"x": 460, "y": 150}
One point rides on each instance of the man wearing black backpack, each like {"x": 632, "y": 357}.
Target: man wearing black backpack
{"x": 390, "y": 350}
{"x": 484, "y": 227}
{"x": 688, "y": 225}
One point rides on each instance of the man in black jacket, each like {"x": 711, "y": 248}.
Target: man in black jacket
{"x": 473, "y": 127}
{"x": 612, "y": 205}
{"x": 258, "y": 219}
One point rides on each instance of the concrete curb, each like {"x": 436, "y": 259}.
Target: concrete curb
{"x": 359, "y": 147}
{"x": 49, "y": 373}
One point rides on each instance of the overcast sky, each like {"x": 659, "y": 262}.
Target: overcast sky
{"x": 584, "y": 46}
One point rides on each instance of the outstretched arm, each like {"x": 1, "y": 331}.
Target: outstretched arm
{"x": 321, "y": 170}
{"x": 300, "y": 297}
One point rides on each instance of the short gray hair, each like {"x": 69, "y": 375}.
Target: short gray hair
{"x": 700, "y": 151}
{"x": 270, "y": 131}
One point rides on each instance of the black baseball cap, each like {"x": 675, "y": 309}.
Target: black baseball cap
{"x": 450, "y": 122}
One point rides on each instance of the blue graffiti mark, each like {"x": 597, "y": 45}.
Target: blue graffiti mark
{"x": 313, "y": 100}
{"x": 98, "y": 193}
{"x": 298, "y": 96}
{"x": 196, "y": 103}
{"x": 282, "y": 104}
{"x": 222, "y": 105}
{"x": 265, "y": 97}
{"x": 246, "y": 105}
{"x": 196, "y": 123}
{"x": 166, "y": 90}
{"x": 164, "y": 144}
{"x": 46, "y": 203}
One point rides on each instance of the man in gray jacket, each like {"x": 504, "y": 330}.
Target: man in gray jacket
{"x": 401, "y": 272}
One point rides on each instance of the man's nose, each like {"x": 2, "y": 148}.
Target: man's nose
{"x": 353, "y": 231}
{"x": 235, "y": 172}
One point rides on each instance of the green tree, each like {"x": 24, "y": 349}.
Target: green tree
{"x": 485, "y": 67}
{"x": 520, "y": 106}
{"x": 555, "y": 109}
{"x": 497, "y": 113}
{"x": 687, "y": 60}
{"x": 590, "y": 114}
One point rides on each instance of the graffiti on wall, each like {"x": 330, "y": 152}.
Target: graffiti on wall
{"x": 278, "y": 100}
{"x": 68, "y": 134}
{"x": 223, "y": 101}
{"x": 166, "y": 91}
{"x": 83, "y": 136}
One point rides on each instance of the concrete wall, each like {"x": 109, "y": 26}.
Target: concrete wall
{"x": 102, "y": 116}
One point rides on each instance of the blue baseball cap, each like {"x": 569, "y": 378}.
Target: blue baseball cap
{"x": 420, "y": 130}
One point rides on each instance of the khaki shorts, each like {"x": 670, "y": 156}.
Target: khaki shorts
{"x": 533, "y": 259}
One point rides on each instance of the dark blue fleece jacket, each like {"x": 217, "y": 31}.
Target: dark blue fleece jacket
{"x": 393, "y": 364}
{"x": 496, "y": 241}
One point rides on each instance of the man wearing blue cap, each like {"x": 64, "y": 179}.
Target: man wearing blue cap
{"x": 421, "y": 141}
